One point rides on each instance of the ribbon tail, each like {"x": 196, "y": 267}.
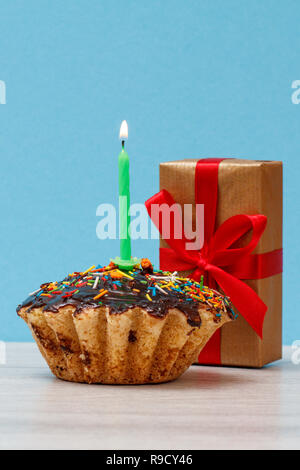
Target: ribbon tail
{"x": 247, "y": 302}
{"x": 211, "y": 353}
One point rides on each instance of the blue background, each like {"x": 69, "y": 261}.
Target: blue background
{"x": 194, "y": 78}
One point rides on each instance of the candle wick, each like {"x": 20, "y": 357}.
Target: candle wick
{"x": 123, "y": 144}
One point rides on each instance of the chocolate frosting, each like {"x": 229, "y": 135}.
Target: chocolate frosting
{"x": 156, "y": 292}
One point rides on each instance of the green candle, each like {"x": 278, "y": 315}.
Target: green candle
{"x": 125, "y": 261}
{"x": 124, "y": 203}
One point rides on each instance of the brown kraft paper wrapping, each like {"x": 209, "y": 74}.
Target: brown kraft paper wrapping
{"x": 244, "y": 187}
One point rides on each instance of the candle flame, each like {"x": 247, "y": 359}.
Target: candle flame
{"x": 124, "y": 130}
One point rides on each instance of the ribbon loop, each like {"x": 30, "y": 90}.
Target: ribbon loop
{"x": 232, "y": 230}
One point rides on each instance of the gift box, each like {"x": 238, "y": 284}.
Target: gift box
{"x": 242, "y": 252}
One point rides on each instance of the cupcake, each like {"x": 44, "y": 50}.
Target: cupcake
{"x": 111, "y": 326}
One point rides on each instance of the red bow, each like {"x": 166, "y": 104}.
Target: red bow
{"x": 216, "y": 259}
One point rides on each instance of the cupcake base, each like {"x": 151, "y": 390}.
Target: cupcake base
{"x": 134, "y": 347}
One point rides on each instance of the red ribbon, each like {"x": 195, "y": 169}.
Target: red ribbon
{"x": 217, "y": 260}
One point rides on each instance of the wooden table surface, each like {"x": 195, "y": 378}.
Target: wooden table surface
{"x": 207, "y": 408}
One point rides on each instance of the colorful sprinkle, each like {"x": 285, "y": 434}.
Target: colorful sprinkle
{"x": 154, "y": 285}
{"x": 87, "y": 270}
{"x": 101, "y": 294}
